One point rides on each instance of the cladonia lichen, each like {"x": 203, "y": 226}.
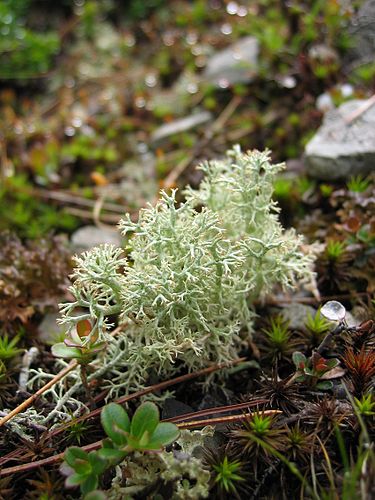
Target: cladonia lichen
{"x": 185, "y": 286}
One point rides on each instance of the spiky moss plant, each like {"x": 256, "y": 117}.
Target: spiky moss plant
{"x": 193, "y": 275}
{"x": 358, "y": 184}
{"x": 249, "y": 438}
{"x": 333, "y": 266}
{"x": 229, "y": 475}
{"x": 366, "y": 405}
{"x": 360, "y": 369}
{"x": 317, "y": 326}
{"x": 277, "y": 343}
{"x": 8, "y": 347}
{"x": 280, "y": 394}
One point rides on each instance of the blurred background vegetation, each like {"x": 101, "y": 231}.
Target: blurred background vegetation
{"x": 86, "y": 85}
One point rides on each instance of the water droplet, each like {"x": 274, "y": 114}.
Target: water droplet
{"x": 69, "y": 131}
{"x": 76, "y": 122}
{"x": 333, "y": 310}
{"x": 191, "y": 38}
{"x": 108, "y": 94}
{"x": 20, "y": 33}
{"x": 129, "y": 40}
{"x": 192, "y": 88}
{"x": 226, "y": 29}
{"x": 69, "y": 82}
{"x": 346, "y": 90}
{"x": 200, "y": 61}
{"x": 196, "y": 50}
{"x": 18, "y": 129}
{"x": 325, "y": 102}
{"x": 168, "y": 39}
{"x": 223, "y": 83}
{"x": 232, "y": 8}
{"x": 140, "y": 102}
{"x": 150, "y": 80}
{"x": 289, "y": 82}
{"x": 242, "y": 11}
{"x": 7, "y": 19}
{"x": 84, "y": 69}
{"x": 142, "y": 148}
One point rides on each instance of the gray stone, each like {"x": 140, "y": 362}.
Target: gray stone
{"x": 297, "y": 315}
{"x": 343, "y": 147}
{"x": 362, "y": 31}
{"x": 49, "y": 330}
{"x": 90, "y": 236}
{"x": 323, "y": 53}
{"x": 237, "y": 63}
{"x": 182, "y": 125}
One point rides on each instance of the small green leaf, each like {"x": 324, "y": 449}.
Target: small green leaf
{"x": 164, "y": 434}
{"x": 89, "y": 484}
{"x": 74, "y": 480}
{"x": 74, "y": 454}
{"x": 107, "y": 443}
{"x": 146, "y": 418}
{"x": 98, "y": 465}
{"x": 95, "y": 495}
{"x": 111, "y": 455}
{"x": 299, "y": 360}
{"x": 116, "y": 423}
{"x": 324, "y": 385}
{"x": 332, "y": 363}
{"x": 61, "y": 350}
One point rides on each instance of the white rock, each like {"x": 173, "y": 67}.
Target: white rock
{"x": 237, "y": 63}
{"x": 90, "y": 236}
{"x": 343, "y": 146}
{"x": 182, "y": 125}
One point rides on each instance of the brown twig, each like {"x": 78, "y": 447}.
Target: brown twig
{"x": 217, "y": 125}
{"x": 153, "y": 388}
{"x": 86, "y": 214}
{"x": 223, "y": 420}
{"x": 29, "y": 401}
{"x": 218, "y": 409}
{"x": 362, "y": 109}
{"x": 124, "y": 399}
{"x": 94, "y": 446}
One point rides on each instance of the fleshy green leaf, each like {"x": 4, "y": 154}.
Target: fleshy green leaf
{"x": 95, "y": 495}
{"x": 98, "y": 465}
{"x": 61, "y": 350}
{"x": 74, "y": 480}
{"x": 324, "y": 385}
{"x": 90, "y": 484}
{"x": 165, "y": 433}
{"x": 111, "y": 455}
{"x": 145, "y": 419}
{"x": 332, "y": 363}
{"x": 116, "y": 423}
{"x": 299, "y": 360}
{"x": 74, "y": 454}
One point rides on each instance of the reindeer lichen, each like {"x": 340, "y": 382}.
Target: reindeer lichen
{"x": 191, "y": 274}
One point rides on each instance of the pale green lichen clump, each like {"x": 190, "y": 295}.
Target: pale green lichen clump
{"x": 181, "y": 472}
{"x": 192, "y": 272}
